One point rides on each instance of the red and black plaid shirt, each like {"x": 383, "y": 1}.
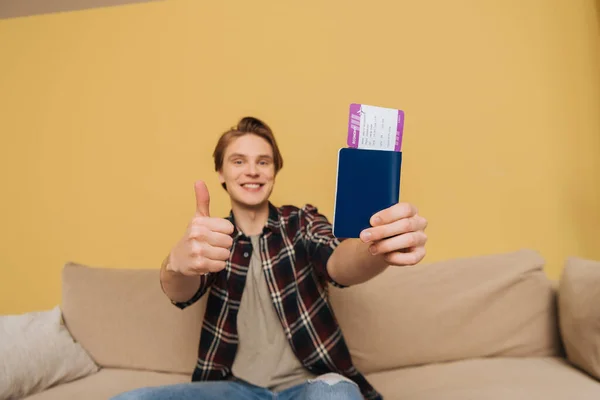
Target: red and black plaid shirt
{"x": 295, "y": 246}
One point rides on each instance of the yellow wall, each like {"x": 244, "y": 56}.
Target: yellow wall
{"x": 108, "y": 116}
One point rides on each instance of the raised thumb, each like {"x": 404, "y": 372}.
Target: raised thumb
{"x": 202, "y": 199}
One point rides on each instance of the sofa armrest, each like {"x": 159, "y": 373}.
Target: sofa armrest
{"x": 579, "y": 313}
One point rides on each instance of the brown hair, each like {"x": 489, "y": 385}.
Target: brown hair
{"x": 247, "y": 125}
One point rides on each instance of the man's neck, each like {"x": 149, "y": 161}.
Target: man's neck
{"x": 250, "y": 220}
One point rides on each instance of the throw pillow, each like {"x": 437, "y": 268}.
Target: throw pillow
{"x": 579, "y": 313}
{"x": 496, "y": 305}
{"x": 37, "y": 352}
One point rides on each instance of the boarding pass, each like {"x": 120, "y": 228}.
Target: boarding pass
{"x": 375, "y": 128}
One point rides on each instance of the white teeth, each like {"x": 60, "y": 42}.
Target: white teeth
{"x": 252, "y": 185}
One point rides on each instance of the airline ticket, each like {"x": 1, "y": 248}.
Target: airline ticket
{"x": 376, "y": 128}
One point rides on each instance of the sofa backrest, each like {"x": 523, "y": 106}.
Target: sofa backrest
{"x": 124, "y": 320}
{"x": 496, "y": 305}
{"x": 484, "y": 306}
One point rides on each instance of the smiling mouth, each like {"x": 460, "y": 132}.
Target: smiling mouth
{"x": 252, "y": 186}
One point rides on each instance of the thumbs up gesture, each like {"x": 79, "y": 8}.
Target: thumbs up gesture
{"x": 206, "y": 244}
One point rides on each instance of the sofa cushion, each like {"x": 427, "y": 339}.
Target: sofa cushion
{"x": 489, "y": 379}
{"x": 492, "y": 305}
{"x": 579, "y": 313}
{"x": 124, "y": 320}
{"x": 108, "y": 383}
{"x": 37, "y": 352}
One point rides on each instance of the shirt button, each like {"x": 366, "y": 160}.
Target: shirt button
{"x": 246, "y": 255}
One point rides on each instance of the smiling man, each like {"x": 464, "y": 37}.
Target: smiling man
{"x": 269, "y": 330}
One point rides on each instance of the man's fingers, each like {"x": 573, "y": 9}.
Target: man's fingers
{"x": 399, "y": 243}
{"x": 220, "y": 225}
{"x": 201, "y": 268}
{"x": 209, "y": 266}
{"x": 406, "y": 258}
{"x": 204, "y": 251}
{"x": 393, "y": 213}
{"x": 395, "y": 228}
{"x": 216, "y": 239}
{"x": 203, "y": 258}
{"x": 202, "y": 199}
{"x": 399, "y": 227}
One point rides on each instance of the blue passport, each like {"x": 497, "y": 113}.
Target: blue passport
{"x": 367, "y": 181}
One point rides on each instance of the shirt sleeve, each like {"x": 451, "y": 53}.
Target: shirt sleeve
{"x": 205, "y": 282}
{"x": 317, "y": 234}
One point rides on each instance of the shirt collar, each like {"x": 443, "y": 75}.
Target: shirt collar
{"x": 272, "y": 225}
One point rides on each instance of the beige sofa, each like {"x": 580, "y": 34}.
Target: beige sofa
{"x": 484, "y": 327}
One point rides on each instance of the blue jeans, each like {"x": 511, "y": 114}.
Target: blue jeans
{"x": 314, "y": 389}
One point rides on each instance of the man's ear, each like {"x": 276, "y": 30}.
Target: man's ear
{"x": 222, "y": 180}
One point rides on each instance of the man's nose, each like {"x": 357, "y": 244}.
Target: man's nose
{"x": 252, "y": 170}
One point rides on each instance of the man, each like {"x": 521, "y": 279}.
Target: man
{"x": 269, "y": 331}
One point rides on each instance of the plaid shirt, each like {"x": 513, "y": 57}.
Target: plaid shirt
{"x": 295, "y": 246}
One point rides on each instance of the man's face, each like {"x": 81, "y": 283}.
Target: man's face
{"x": 248, "y": 170}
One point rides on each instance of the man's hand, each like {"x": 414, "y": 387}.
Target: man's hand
{"x": 397, "y": 234}
{"x": 206, "y": 244}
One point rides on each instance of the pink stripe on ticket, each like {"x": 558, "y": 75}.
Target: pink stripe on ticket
{"x": 399, "y": 131}
{"x": 354, "y": 125}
